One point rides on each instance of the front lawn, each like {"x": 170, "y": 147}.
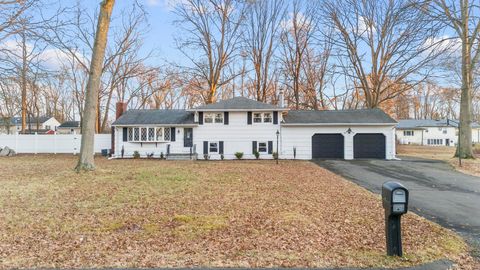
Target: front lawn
{"x": 150, "y": 213}
{"x": 445, "y": 153}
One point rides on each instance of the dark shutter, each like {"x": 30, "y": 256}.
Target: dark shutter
{"x": 249, "y": 118}
{"x": 172, "y": 134}
{"x": 225, "y": 118}
{"x": 200, "y": 118}
{"x": 112, "y": 148}
{"x": 275, "y": 118}
{"x": 254, "y": 147}
{"x": 220, "y": 147}
{"x": 270, "y": 147}
{"x": 205, "y": 147}
{"x": 125, "y": 134}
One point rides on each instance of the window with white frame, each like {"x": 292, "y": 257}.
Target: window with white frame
{"x": 159, "y": 134}
{"x": 257, "y": 117}
{"x": 408, "y": 133}
{"x": 267, "y": 117}
{"x": 213, "y": 147}
{"x": 148, "y": 134}
{"x": 262, "y": 147}
{"x": 166, "y": 134}
{"x": 262, "y": 117}
{"x": 151, "y": 134}
{"x": 219, "y": 118}
{"x": 210, "y": 118}
{"x": 435, "y": 141}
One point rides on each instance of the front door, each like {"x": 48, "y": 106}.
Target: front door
{"x": 188, "y": 137}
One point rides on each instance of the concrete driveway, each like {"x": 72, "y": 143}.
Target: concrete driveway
{"x": 437, "y": 191}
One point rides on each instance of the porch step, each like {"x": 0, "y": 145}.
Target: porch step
{"x": 181, "y": 156}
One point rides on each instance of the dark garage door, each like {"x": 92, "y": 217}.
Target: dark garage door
{"x": 327, "y": 146}
{"x": 369, "y": 145}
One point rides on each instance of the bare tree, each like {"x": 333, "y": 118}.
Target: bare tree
{"x": 462, "y": 16}
{"x": 210, "y": 39}
{"x": 385, "y": 43}
{"x": 296, "y": 39}
{"x": 263, "y": 25}
{"x": 86, "y": 159}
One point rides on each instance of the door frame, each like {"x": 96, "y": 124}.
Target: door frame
{"x": 187, "y": 142}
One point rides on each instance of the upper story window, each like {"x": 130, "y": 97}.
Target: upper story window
{"x": 257, "y": 117}
{"x": 408, "y": 133}
{"x": 213, "y": 118}
{"x": 267, "y": 117}
{"x": 148, "y": 134}
{"x": 262, "y": 117}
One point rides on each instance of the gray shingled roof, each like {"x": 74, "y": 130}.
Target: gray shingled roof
{"x": 363, "y": 116}
{"x": 238, "y": 103}
{"x": 30, "y": 120}
{"x": 70, "y": 124}
{"x": 423, "y": 123}
{"x": 155, "y": 117}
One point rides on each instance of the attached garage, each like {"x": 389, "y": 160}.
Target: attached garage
{"x": 369, "y": 145}
{"x": 328, "y": 146}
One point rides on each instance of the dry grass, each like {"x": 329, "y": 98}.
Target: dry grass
{"x": 469, "y": 166}
{"x": 149, "y": 213}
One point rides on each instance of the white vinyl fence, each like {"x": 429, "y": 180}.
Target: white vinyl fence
{"x": 51, "y": 144}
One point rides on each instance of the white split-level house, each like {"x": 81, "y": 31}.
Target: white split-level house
{"x": 430, "y": 132}
{"x": 248, "y": 126}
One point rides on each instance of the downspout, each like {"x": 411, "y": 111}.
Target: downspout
{"x": 422, "y": 136}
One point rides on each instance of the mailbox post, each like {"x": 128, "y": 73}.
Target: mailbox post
{"x": 395, "y": 203}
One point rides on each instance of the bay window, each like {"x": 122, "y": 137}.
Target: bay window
{"x": 149, "y": 134}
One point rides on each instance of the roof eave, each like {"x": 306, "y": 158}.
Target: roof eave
{"x": 237, "y": 110}
{"x": 338, "y": 124}
{"x": 155, "y": 125}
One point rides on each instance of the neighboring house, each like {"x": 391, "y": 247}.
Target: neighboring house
{"x": 40, "y": 125}
{"x": 441, "y": 132}
{"x": 248, "y": 126}
{"x": 69, "y": 127}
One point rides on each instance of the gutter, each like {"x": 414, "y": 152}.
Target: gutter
{"x": 337, "y": 124}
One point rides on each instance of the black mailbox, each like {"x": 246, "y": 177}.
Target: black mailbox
{"x": 395, "y": 203}
{"x": 395, "y": 198}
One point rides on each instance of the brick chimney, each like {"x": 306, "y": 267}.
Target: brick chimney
{"x": 120, "y": 109}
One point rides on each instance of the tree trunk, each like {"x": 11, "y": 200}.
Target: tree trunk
{"x": 86, "y": 159}
{"x": 464, "y": 146}
{"x": 24, "y": 82}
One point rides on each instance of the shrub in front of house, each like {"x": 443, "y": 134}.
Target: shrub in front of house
{"x": 136, "y": 155}
{"x": 206, "y": 157}
{"x": 275, "y": 155}
{"x": 239, "y": 155}
{"x": 257, "y": 154}
{"x": 222, "y": 157}
{"x": 162, "y": 156}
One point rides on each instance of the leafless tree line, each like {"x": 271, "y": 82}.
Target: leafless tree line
{"x": 321, "y": 54}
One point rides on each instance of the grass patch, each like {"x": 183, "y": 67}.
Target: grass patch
{"x": 150, "y": 213}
